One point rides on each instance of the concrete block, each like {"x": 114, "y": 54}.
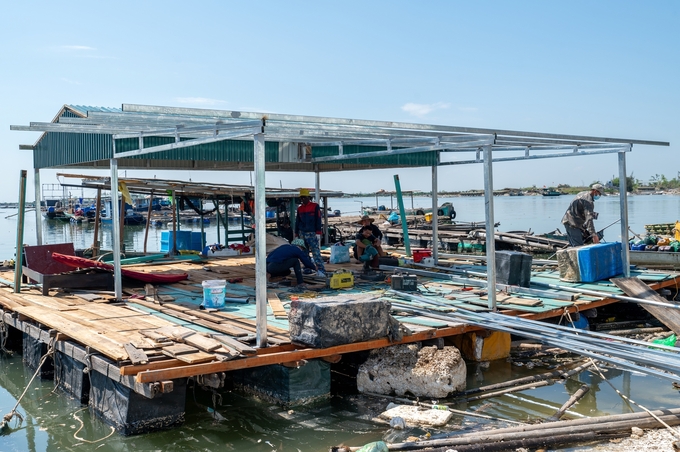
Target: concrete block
{"x": 327, "y": 322}
{"x": 422, "y": 372}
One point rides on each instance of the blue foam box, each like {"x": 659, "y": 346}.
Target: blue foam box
{"x": 197, "y": 241}
{"x": 183, "y": 241}
{"x": 601, "y": 261}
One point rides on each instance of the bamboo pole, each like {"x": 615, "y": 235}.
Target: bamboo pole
{"x": 502, "y": 437}
{"x": 578, "y": 395}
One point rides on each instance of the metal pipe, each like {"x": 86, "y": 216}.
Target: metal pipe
{"x": 564, "y": 341}
{"x": 96, "y": 244}
{"x": 115, "y": 235}
{"x": 260, "y": 242}
{"x": 490, "y": 237}
{"x": 623, "y": 202}
{"x": 38, "y": 210}
{"x": 19, "y": 261}
{"x": 402, "y": 215}
{"x": 435, "y": 214}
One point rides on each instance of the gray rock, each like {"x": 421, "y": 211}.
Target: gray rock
{"x": 411, "y": 368}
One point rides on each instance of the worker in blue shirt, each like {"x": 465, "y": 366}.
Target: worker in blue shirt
{"x": 285, "y": 257}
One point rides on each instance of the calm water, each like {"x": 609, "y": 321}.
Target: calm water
{"x": 54, "y": 422}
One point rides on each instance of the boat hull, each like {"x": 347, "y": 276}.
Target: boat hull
{"x": 656, "y": 259}
{"x": 81, "y": 262}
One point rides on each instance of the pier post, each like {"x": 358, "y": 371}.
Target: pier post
{"x": 20, "y": 232}
{"x": 115, "y": 228}
{"x": 435, "y": 215}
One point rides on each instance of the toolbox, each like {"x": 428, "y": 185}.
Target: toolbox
{"x": 341, "y": 279}
{"x": 406, "y": 283}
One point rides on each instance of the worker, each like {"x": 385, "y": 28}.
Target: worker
{"x": 580, "y": 216}
{"x": 285, "y": 257}
{"x": 308, "y": 228}
{"x": 368, "y": 249}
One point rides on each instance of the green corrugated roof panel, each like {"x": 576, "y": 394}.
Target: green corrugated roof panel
{"x": 219, "y": 151}
{"x": 59, "y": 149}
{"x": 417, "y": 159}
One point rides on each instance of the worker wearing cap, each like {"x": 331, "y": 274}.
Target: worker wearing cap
{"x": 580, "y": 216}
{"x": 308, "y": 228}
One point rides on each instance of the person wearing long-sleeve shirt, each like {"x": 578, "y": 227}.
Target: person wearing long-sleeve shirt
{"x": 285, "y": 257}
{"x": 579, "y": 219}
{"x": 308, "y": 228}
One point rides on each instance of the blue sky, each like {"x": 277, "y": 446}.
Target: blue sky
{"x": 599, "y": 68}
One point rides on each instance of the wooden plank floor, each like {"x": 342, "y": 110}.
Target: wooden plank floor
{"x": 166, "y": 325}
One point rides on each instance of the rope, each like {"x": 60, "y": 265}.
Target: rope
{"x": 82, "y": 425}
{"x": 8, "y": 417}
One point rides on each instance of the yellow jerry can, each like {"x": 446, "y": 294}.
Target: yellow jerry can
{"x": 341, "y": 279}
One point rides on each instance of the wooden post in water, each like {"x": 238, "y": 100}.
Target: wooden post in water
{"x": 20, "y": 232}
{"x": 148, "y": 220}
{"x": 97, "y": 219}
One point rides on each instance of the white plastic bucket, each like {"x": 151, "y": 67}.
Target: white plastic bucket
{"x": 214, "y": 291}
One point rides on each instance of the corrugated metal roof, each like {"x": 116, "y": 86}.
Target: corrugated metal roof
{"x": 85, "y": 109}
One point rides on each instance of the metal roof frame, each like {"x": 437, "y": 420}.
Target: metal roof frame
{"x": 322, "y": 144}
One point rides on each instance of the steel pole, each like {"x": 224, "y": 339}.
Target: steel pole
{"x": 38, "y": 210}
{"x": 115, "y": 228}
{"x": 402, "y": 214}
{"x": 260, "y": 242}
{"x": 623, "y": 200}
{"x": 18, "y": 262}
{"x": 435, "y": 214}
{"x": 490, "y": 235}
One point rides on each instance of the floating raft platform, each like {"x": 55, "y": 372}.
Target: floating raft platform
{"x": 142, "y": 351}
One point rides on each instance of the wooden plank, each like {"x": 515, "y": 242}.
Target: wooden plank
{"x": 202, "y": 343}
{"x": 136, "y": 355}
{"x": 633, "y": 287}
{"x": 223, "y": 328}
{"x": 234, "y": 344}
{"x": 175, "y": 332}
{"x": 196, "y": 358}
{"x": 276, "y": 305}
{"x": 178, "y": 349}
{"x": 80, "y": 333}
{"x": 509, "y": 299}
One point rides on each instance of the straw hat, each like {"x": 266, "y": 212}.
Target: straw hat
{"x": 366, "y": 217}
{"x": 304, "y": 192}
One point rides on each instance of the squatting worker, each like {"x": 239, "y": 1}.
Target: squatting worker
{"x": 368, "y": 248}
{"x": 308, "y": 228}
{"x": 285, "y": 257}
{"x": 368, "y": 235}
{"x": 579, "y": 219}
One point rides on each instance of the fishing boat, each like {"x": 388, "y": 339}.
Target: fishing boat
{"x": 81, "y": 262}
{"x": 131, "y": 217}
{"x": 551, "y": 192}
{"x": 666, "y": 260}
